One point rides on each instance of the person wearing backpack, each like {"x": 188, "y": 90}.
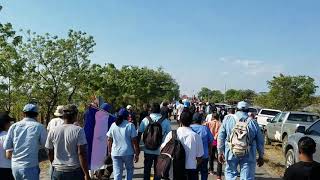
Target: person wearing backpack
{"x": 207, "y": 139}
{"x": 192, "y": 144}
{"x": 154, "y": 129}
{"x": 239, "y": 139}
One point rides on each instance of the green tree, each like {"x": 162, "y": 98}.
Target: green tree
{"x": 205, "y": 93}
{"x": 56, "y": 68}
{"x": 10, "y": 65}
{"x": 289, "y": 92}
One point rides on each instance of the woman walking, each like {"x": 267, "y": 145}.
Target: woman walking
{"x": 122, "y": 138}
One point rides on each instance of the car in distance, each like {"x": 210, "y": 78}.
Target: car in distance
{"x": 265, "y": 116}
{"x": 291, "y": 151}
{"x": 285, "y": 123}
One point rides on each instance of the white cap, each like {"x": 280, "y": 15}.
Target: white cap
{"x": 129, "y": 107}
{"x": 59, "y": 111}
{"x": 243, "y": 105}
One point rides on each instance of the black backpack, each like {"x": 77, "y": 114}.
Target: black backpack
{"x": 152, "y": 135}
{"x": 172, "y": 153}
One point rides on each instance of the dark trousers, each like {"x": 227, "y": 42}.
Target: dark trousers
{"x": 211, "y": 161}
{"x": 149, "y": 160}
{"x": 191, "y": 174}
{"x": 59, "y": 175}
{"x": 6, "y": 174}
{"x": 203, "y": 169}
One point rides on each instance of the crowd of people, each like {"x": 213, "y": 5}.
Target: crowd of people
{"x": 206, "y": 133}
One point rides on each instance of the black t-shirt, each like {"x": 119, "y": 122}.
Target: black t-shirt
{"x": 303, "y": 171}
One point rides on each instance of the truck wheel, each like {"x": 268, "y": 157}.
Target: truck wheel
{"x": 290, "y": 159}
{"x": 266, "y": 139}
{"x": 284, "y": 142}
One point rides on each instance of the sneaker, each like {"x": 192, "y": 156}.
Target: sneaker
{"x": 211, "y": 173}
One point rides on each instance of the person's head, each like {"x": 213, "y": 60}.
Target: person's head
{"x": 197, "y": 118}
{"x": 129, "y": 108}
{"x": 307, "y": 147}
{"x": 70, "y": 113}
{"x": 59, "y": 111}
{"x": 30, "y": 111}
{"x": 146, "y": 107}
{"x": 107, "y": 107}
{"x": 122, "y": 115}
{"x": 155, "y": 108}
{"x": 5, "y": 121}
{"x": 231, "y": 110}
{"x": 186, "y": 118}
{"x": 243, "y": 106}
{"x": 165, "y": 103}
{"x": 215, "y": 116}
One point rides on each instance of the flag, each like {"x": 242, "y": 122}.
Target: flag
{"x": 97, "y": 124}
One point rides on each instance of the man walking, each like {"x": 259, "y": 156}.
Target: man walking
{"x": 67, "y": 151}
{"x": 25, "y": 138}
{"x": 150, "y": 156}
{"x": 57, "y": 120}
{"x": 307, "y": 168}
{"x": 242, "y": 153}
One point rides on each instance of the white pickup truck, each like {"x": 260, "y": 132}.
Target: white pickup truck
{"x": 265, "y": 115}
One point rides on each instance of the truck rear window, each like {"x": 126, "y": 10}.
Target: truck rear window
{"x": 269, "y": 113}
{"x": 301, "y": 117}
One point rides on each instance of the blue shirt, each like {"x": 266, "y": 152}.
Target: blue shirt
{"x": 256, "y": 139}
{"x": 25, "y": 138}
{"x": 166, "y": 128}
{"x": 206, "y": 137}
{"x": 122, "y": 136}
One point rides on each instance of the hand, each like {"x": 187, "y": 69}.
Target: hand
{"x": 221, "y": 159}
{"x": 136, "y": 158}
{"x": 87, "y": 177}
{"x": 260, "y": 162}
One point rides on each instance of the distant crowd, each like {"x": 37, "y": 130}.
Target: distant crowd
{"x": 206, "y": 134}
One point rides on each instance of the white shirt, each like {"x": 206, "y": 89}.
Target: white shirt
{"x": 209, "y": 118}
{"x": 192, "y": 144}
{"x": 54, "y": 123}
{"x": 180, "y": 109}
{"x": 4, "y": 162}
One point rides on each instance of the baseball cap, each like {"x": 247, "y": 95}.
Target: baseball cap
{"x": 129, "y": 107}
{"x": 186, "y": 104}
{"x": 105, "y": 106}
{"x": 59, "y": 111}
{"x": 243, "y": 105}
{"x": 30, "y": 108}
{"x": 123, "y": 112}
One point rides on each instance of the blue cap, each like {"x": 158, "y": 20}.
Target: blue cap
{"x": 123, "y": 112}
{"x": 243, "y": 105}
{"x": 186, "y": 104}
{"x": 30, "y": 108}
{"x": 107, "y": 107}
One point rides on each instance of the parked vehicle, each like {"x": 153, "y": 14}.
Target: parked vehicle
{"x": 266, "y": 115}
{"x": 291, "y": 149}
{"x": 285, "y": 124}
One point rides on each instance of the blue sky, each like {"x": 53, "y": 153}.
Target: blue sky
{"x": 201, "y": 43}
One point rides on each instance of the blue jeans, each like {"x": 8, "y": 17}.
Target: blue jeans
{"x": 118, "y": 162}
{"x": 203, "y": 168}
{"x": 247, "y": 169}
{"x": 149, "y": 159}
{"x": 59, "y": 175}
{"x": 26, "y": 173}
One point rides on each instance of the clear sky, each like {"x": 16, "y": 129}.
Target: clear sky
{"x": 201, "y": 43}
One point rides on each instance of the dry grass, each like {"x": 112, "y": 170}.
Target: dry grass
{"x": 274, "y": 160}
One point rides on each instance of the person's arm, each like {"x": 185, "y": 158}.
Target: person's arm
{"x": 109, "y": 145}
{"x": 136, "y": 149}
{"x": 222, "y": 137}
{"x": 9, "y": 154}
{"x": 82, "y": 154}
{"x": 8, "y": 142}
{"x": 141, "y": 130}
{"x": 210, "y": 140}
{"x": 43, "y": 136}
{"x": 200, "y": 151}
{"x": 259, "y": 141}
{"x": 49, "y": 146}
